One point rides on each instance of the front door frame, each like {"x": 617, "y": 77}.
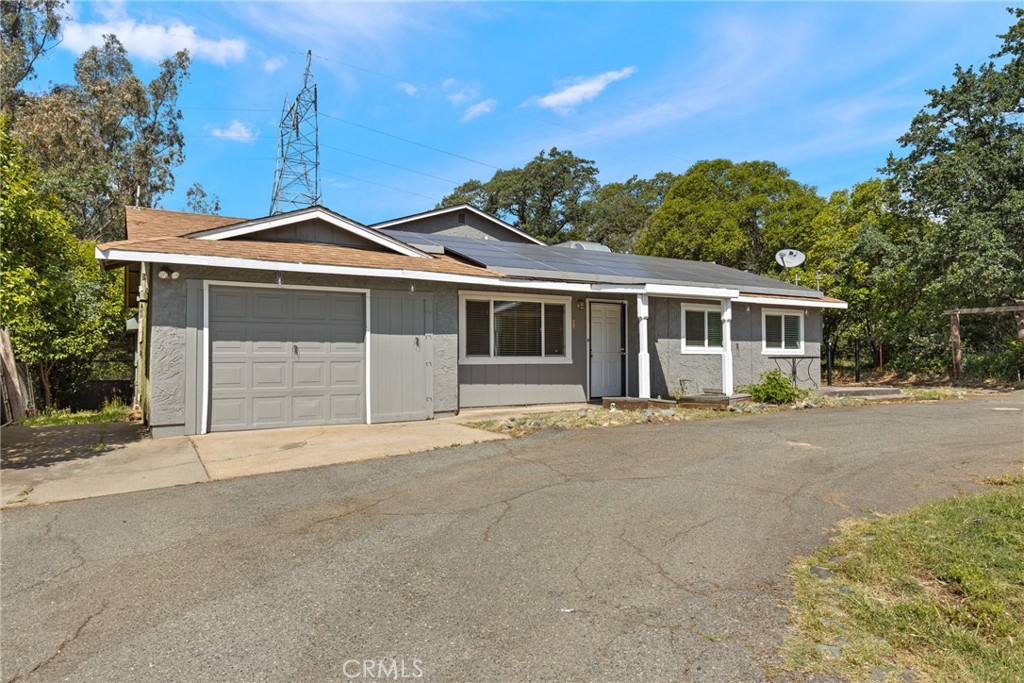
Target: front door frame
{"x": 625, "y": 343}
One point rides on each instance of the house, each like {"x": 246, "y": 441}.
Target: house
{"x": 309, "y": 317}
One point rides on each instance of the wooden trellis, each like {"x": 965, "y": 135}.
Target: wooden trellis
{"x": 954, "y": 328}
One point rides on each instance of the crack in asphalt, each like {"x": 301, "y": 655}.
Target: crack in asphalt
{"x": 60, "y": 648}
{"x": 76, "y": 556}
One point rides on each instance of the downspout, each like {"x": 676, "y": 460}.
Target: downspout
{"x": 727, "y": 376}
{"x": 643, "y": 355}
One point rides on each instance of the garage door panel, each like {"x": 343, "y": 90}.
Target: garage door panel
{"x": 309, "y": 409}
{"x": 343, "y": 407}
{"x": 310, "y": 307}
{"x": 269, "y": 411}
{"x": 228, "y": 413}
{"x": 346, "y": 374}
{"x": 309, "y": 374}
{"x": 270, "y": 305}
{"x": 228, "y": 375}
{"x": 269, "y": 375}
{"x": 228, "y": 304}
{"x": 229, "y": 336}
{"x": 346, "y": 308}
{"x": 288, "y": 357}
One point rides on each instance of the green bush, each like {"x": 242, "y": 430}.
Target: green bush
{"x": 1003, "y": 365}
{"x": 774, "y": 387}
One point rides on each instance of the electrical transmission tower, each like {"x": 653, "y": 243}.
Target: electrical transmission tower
{"x": 297, "y": 178}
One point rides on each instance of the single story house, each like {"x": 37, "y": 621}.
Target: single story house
{"x": 310, "y": 318}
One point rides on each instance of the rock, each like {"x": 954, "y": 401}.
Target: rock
{"x": 830, "y": 650}
{"x": 877, "y": 673}
{"x": 844, "y": 590}
{"x": 821, "y": 572}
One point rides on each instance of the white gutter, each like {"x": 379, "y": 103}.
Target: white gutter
{"x": 782, "y": 301}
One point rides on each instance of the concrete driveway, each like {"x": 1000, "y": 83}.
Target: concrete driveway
{"x": 72, "y": 462}
{"x": 655, "y": 552}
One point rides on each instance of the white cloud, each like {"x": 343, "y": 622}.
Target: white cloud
{"x": 151, "y": 42}
{"x": 479, "y": 109}
{"x": 459, "y": 94}
{"x": 408, "y": 88}
{"x": 236, "y": 131}
{"x": 273, "y": 64}
{"x": 580, "y": 91}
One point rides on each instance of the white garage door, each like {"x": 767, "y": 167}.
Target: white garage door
{"x": 281, "y": 358}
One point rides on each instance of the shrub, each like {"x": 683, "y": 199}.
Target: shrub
{"x": 774, "y": 387}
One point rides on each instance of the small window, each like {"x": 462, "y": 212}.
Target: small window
{"x": 783, "y": 332}
{"x": 506, "y": 330}
{"x": 702, "y": 329}
{"x": 462, "y": 217}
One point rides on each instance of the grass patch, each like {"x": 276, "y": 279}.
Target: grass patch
{"x": 937, "y": 592}
{"x": 111, "y": 412}
{"x": 938, "y": 393}
{"x": 590, "y": 418}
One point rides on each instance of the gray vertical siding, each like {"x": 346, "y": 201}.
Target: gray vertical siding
{"x": 476, "y": 227}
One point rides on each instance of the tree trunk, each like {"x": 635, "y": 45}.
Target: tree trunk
{"x": 44, "y": 379}
{"x": 1018, "y": 317}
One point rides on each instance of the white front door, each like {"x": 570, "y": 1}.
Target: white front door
{"x": 607, "y": 350}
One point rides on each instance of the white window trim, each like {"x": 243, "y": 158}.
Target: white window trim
{"x": 765, "y": 312}
{"x": 698, "y": 350}
{"x": 514, "y": 360}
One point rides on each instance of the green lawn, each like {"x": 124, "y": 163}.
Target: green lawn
{"x": 936, "y": 593}
{"x": 111, "y": 412}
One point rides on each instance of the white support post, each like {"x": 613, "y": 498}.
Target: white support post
{"x": 727, "y": 347}
{"x": 644, "y": 356}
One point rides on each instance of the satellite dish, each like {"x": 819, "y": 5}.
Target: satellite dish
{"x": 789, "y": 258}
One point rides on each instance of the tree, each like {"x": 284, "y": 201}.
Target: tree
{"x": 548, "y": 197}
{"x": 737, "y": 215}
{"x": 58, "y": 304}
{"x": 30, "y": 29}
{"x": 963, "y": 170}
{"x": 109, "y": 140}
{"x": 197, "y": 201}
{"x": 622, "y": 210}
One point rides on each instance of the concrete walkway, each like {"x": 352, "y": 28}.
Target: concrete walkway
{"x": 70, "y": 462}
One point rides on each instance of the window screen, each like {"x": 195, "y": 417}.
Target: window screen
{"x": 783, "y": 332}
{"x": 478, "y": 328}
{"x": 703, "y": 329}
{"x": 554, "y": 329}
{"x": 695, "y": 328}
{"x": 517, "y": 328}
{"x": 791, "y": 331}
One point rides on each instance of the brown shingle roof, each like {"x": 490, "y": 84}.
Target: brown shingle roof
{"x": 146, "y": 224}
{"x": 298, "y": 252}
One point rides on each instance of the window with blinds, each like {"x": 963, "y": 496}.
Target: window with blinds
{"x": 702, "y": 329}
{"x": 515, "y": 328}
{"x": 783, "y": 331}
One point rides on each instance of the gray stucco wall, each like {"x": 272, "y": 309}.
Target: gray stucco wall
{"x": 674, "y": 373}
{"x": 703, "y": 372}
{"x": 748, "y": 360}
{"x": 448, "y": 224}
{"x": 169, "y": 357}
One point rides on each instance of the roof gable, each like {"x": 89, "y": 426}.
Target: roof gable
{"x": 144, "y": 223}
{"x": 277, "y": 225}
{"x": 429, "y": 222}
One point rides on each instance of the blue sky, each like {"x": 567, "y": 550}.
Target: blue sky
{"x": 416, "y": 98}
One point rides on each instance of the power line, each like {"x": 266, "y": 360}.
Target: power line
{"x": 388, "y": 187}
{"x": 406, "y": 139}
{"x": 388, "y": 163}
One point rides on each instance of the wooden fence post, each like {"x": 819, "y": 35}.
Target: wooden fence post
{"x": 954, "y": 343}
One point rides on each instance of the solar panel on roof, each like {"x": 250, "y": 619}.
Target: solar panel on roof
{"x": 552, "y": 263}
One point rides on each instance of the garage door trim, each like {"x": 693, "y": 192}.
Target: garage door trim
{"x": 204, "y": 423}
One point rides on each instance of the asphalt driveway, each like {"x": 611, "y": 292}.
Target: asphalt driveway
{"x": 654, "y": 552}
